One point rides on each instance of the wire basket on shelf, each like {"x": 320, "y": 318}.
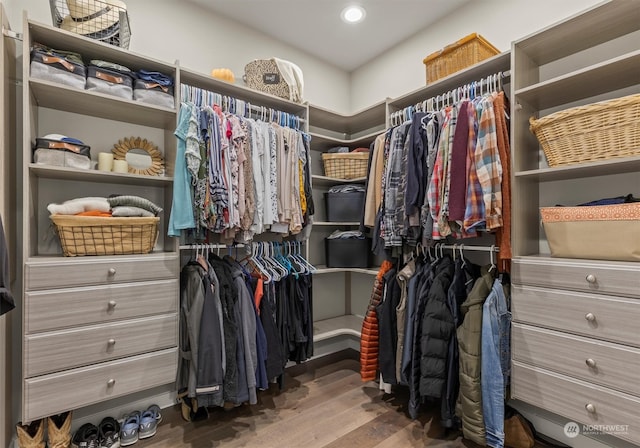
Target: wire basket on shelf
{"x": 597, "y": 131}
{"x": 350, "y": 165}
{"x": 103, "y": 20}
{"x": 93, "y": 235}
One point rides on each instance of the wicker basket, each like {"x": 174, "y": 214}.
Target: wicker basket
{"x": 464, "y": 53}
{"x": 349, "y": 165}
{"x": 597, "y": 131}
{"x": 90, "y": 235}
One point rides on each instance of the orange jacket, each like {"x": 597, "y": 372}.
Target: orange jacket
{"x": 369, "y": 334}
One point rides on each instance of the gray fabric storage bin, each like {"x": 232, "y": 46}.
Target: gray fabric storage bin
{"x": 153, "y": 93}
{"x": 111, "y": 82}
{"x": 55, "y": 68}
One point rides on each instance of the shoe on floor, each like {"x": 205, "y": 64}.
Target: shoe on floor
{"x": 155, "y": 409}
{"x": 148, "y": 425}
{"x": 129, "y": 429}
{"x": 59, "y": 430}
{"x": 109, "y": 433}
{"x": 86, "y": 437}
{"x": 31, "y": 435}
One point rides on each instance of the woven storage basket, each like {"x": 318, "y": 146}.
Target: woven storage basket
{"x": 349, "y": 165}
{"x": 464, "y": 53}
{"x": 597, "y": 131}
{"x": 91, "y": 235}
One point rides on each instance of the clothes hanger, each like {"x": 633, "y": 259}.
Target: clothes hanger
{"x": 464, "y": 263}
{"x": 493, "y": 265}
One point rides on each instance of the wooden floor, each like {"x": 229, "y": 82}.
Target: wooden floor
{"x": 324, "y": 404}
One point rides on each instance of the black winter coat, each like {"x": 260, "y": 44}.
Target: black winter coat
{"x": 437, "y": 328}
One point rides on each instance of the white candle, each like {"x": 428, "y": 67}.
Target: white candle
{"x": 120, "y": 166}
{"x": 105, "y": 161}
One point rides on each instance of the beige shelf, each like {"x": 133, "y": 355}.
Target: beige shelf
{"x": 347, "y": 325}
{"x": 203, "y": 81}
{"x": 94, "y": 49}
{"x": 614, "y": 74}
{"x": 85, "y": 102}
{"x": 63, "y": 173}
{"x": 323, "y": 141}
{"x": 348, "y": 125}
{"x": 327, "y": 181}
{"x": 600, "y": 168}
{"x": 326, "y": 270}
{"x": 584, "y": 30}
{"x": 335, "y": 224}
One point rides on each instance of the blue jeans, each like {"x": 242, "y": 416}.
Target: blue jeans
{"x": 496, "y": 322}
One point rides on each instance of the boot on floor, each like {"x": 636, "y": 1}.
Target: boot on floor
{"x": 31, "y": 435}
{"x": 59, "y": 430}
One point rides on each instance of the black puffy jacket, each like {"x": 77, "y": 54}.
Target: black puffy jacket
{"x": 436, "y": 330}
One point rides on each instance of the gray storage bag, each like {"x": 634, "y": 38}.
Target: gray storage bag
{"x": 111, "y": 82}
{"x": 53, "y": 67}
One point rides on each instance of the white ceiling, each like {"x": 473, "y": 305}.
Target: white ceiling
{"x": 315, "y": 27}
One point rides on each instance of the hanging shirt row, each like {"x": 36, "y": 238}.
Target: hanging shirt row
{"x": 442, "y": 173}
{"x": 238, "y": 177}
{"x": 238, "y": 330}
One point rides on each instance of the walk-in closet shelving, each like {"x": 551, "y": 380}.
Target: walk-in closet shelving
{"x": 586, "y": 58}
{"x": 342, "y": 291}
{"x": 114, "y": 328}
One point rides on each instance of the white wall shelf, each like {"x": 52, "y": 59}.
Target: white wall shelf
{"x": 580, "y": 170}
{"x": 335, "y": 223}
{"x": 328, "y": 181}
{"x": 326, "y": 270}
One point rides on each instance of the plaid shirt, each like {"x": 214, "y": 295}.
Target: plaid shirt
{"x": 435, "y": 189}
{"x": 393, "y": 207}
{"x": 474, "y": 212}
{"x": 488, "y": 166}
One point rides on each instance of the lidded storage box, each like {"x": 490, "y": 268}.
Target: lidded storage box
{"x": 600, "y": 232}
{"x": 459, "y": 55}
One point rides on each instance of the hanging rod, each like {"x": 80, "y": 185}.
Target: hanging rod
{"x": 493, "y": 82}
{"x": 465, "y": 247}
{"x": 238, "y": 106}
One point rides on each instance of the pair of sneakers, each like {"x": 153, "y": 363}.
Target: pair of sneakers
{"x": 105, "y": 435}
{"x": 140, "y": 425}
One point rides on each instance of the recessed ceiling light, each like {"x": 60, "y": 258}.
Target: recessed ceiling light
{"x": 353, "y": 14}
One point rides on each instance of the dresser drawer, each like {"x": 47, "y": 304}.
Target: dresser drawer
{"x": 60, "y": 308}
{"x": 603, "y": 317}
{"x": 72, "y": 389}
{"x": 604, "y": 363}
{"x": 616, "y": 278}
{"x": 66, "y": 349}
{"x": 571, "y": 398}
{"x": 89, "y": 271}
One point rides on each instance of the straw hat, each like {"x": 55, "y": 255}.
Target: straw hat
{"x": 92, "y": 16}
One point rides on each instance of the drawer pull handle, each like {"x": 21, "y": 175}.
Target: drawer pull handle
{"x": 112, "y": 271}
{"x": 590, "y": 408}
{"x": 591, "y": 278}
{"x": 111, "y": 342}
{"x": 590, "y": 317}
{"x": 591, "y": 362}
{"x": 111, "y": 382}
{"x": 112, "y": 303}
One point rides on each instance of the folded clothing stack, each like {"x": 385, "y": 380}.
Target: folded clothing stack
{"x": 118, "y": 206}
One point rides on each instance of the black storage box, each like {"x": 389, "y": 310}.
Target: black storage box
{"x": 348, "y": 252}
{"x": 344, "y": 207}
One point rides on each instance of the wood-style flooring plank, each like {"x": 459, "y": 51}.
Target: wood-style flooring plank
{"x": 323, "y": 404}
